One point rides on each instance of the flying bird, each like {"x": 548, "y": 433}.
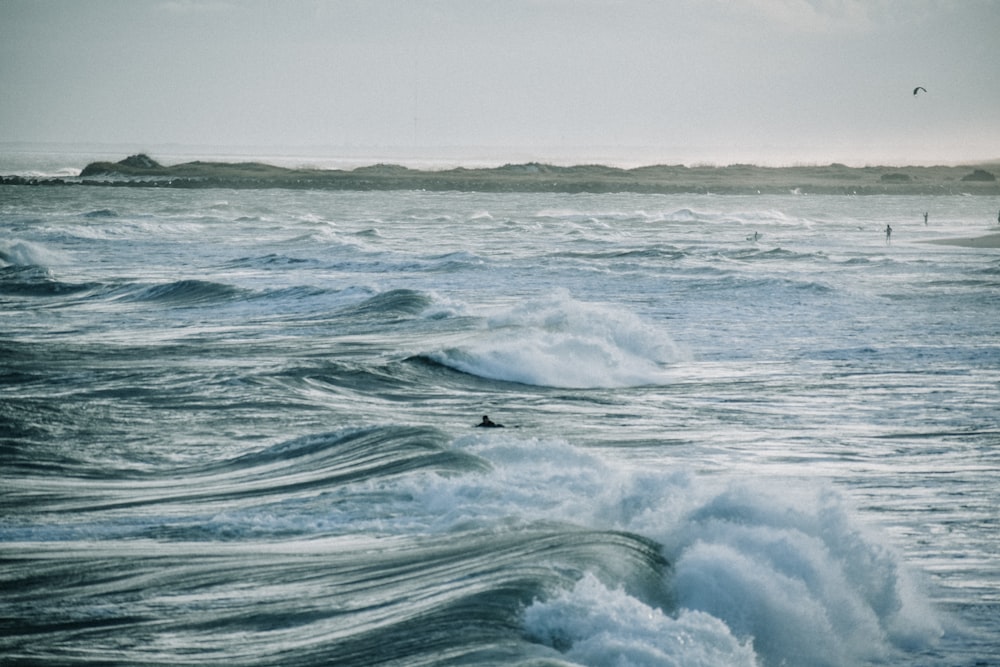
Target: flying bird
{"x": 919, "y": 88}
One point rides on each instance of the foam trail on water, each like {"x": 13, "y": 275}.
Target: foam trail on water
{"x": 557, "y": 341}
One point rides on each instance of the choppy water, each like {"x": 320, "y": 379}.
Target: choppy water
{"x": 238, "y": 429}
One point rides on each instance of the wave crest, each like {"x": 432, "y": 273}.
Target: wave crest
{"x": 187, "y": 292}
{"x": 557, "y": 341}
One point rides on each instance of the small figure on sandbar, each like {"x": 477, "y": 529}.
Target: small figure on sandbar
{"x": 925, "y": 217}
{"x": 888, "y": 234}
{"x": 489, "y": 423}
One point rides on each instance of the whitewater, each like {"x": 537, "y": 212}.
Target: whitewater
{"x": 238, "y": 427}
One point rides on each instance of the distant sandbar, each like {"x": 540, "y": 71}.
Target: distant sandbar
{"x": 987, "y": 241}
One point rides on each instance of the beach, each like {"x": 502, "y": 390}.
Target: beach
{"x": 987, "y": 241}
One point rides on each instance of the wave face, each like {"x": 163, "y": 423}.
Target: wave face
{"x": 556, "y": 341}
{"x": 238, "y": 428}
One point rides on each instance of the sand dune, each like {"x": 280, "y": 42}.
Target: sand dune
{"x": 142, "y": 171}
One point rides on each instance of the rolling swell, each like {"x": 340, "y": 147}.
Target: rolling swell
{"x": 259, "y": 559}
{"x": 37, "y": 281}
{"x": 268, "y": 261}
{"x": 345, "y": 601}
{"x": 768, "y": 286}
{"x": 101, "y": 213}
{"x": 650, "y": 253}
{"x": 285, "y": 471}
{"x": 186, "y": 292}
{"x": 356, "y": 454}
{"x": 405, "y": 380}
{"x": 394, "y": 302}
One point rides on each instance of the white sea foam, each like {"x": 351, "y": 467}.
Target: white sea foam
{"x": 557, "y": 341}
{"x": 786, "y": 570}
{"x": 794, "y": 571}
{"x": 25, "y": 253}
{"x": 599, "y": 626}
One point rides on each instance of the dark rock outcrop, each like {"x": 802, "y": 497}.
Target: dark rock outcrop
{"x": 141, "y": 161}
{"x": 133, "y": 165}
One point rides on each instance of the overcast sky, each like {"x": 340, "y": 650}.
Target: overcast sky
{"x": 719, "y": 81}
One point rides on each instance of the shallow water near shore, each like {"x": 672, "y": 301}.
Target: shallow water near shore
{"x": 238, "y": 427}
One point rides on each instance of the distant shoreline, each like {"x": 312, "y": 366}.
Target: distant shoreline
{"x": 986, "y": 241}
{"x": 143, "y": 171}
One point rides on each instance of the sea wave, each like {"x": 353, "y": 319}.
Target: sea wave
{"x": 184, "y": 293}
{"x": 596, "y": 561}
{"x": 790, "y": 567}
{"x": 284, "y": 472}
{"x": 557, "y": 341}
{"x": 245, "y": 431}
{"x": 26, "y": 253}
{"x": 29, "y": 280}
{"x": 594, "y": 624}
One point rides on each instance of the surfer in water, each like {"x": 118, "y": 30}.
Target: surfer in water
{"x": 888, "y": 234}
{"x": 489, "y": 423}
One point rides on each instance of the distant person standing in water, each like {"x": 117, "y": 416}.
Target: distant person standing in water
{"x": 998, "y": 217}
{"x": 925, "y": 217}
{"x": 888, "y": 234}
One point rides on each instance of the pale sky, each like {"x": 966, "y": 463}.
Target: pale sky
{"x": 640, "y": 81}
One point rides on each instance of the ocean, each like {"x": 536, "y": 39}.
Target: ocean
{"x": 238, "y": 427}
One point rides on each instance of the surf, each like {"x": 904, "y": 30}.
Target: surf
{"x": 558, "y": 341}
